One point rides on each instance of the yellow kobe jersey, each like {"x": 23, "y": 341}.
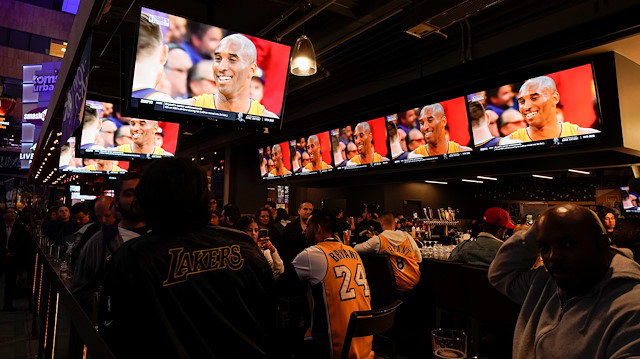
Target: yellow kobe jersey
{"x": 126, "y": 148}
{"x": 345, "y": 290}
{"x": 309, "y": 166}
{"x": 376, "y": 158}
{"x": 452, "y": 147}
{"x": 404, "y": 263}
{"x": 568, "y": 129}
{"x": 207, "y": 101}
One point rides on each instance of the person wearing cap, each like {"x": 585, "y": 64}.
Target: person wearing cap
{"x": 482, "y": 251}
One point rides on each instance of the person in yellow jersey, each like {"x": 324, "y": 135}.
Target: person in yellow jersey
{"x": 234, "y": 65}
{"x": 104, "y": 165}
{"x": 537, "y": 100}
{"x": 401, "y": 248}
{"x": 364, "y": 142}
{"x": 315, "y": 154}
{"x": 338, "y": 287}
{"x": 432, "y": 125}
{"x": 143, "y": 135}
{"x": 276, "y": 156}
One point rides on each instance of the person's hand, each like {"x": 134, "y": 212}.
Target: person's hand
{"x": 266, "y": 244}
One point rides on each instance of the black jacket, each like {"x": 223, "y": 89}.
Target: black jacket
{"x": 206, "y": 293}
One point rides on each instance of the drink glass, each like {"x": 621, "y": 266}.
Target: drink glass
{"x": 448, "y": 343}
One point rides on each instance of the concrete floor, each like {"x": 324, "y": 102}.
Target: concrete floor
{"x": 15, "y": 330}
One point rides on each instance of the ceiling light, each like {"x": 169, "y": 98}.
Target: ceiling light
{"x": 488, "y": 178}
{"x": 436, "y": 182}
{"x": 541, "y": 176}
{"x": 471, "y": 181}
{"x": 578, "y": 171}
{"x": 303, "y": 58}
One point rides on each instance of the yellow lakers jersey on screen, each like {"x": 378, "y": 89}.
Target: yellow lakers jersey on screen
{"x": 309, "y": 166}
{"x": 567, "y": 129}
{"x": 356, "y": 159}
{"x": 345, "y": 290}
{"x": 126, "y": 148}
{"x": 404, "y": 263}
{"x": 274, "y": 172}
{"x": 452, "y": 147}
{"x": 207, "y": 101}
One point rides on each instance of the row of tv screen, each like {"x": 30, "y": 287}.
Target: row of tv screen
{"x": 555, "y": 110}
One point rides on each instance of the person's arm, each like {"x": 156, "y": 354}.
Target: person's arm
{"x": 370, "y": 246}
{"x": 191, "y": 101}
{"x": 586, "y": 130}
{"x": 278, "y": 265}
{"x": 414, "y": 246}
{"x": 464, "y": 148}
{"x": 510, "y": 272}
{"x": 267, "y": 113}
{"x": 84, "y": 283}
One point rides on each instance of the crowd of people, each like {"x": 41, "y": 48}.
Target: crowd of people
{"x": 158, "y": 271}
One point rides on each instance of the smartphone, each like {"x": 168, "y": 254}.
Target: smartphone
{"x": 263, "y": 233}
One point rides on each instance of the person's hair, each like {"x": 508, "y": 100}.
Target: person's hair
{"x": 374, "y": 209}
{"x": 365, "y": 126}
{"x": 403, "y": 114}
{"x": 392, "y": 130}
{"x": 232, "y": 212}
{"x": 120, "y": 130}
{"x": 282, "y": 214}
{"x": 607, "y": 211}
{"x": 197, "y": 29}
{"x": 243, "y": 223}
{"x": 410, "y": 139}
{"x": 435, "y": 108}
{"x": 263, "y": 209}
{"x": 271, "y": 204}
{"x": 149, "y": 36}
{"x": 476, "y": 111}
{"x": 323, "y": 219}
{"x": 117, "y": 187}
{"x": 314, "y": 137}
{"x": 628, "y": 233}
{"x": 493, "y": 92}
{"x": 79, "y": 207}
{"x": 90, "y": 116}
{"x": 542, "y": 81}
{"x": 274, "y": 147}
{"x": 502, "y": 119}
{"x": 388, "y": 218}
{"x": 174, "y": 195}
{"x": 303, "y": 202}
{"x": 247, "y": 47}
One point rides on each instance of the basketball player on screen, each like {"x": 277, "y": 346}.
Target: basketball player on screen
{"x": 366, "y": 154}
{"x": 279, "y": 168}
{"x": 151, "y": 56}
{"x": 538, "y": 98}
{"x": 315, "y": 152}
{"x": 234, "y": 65}
{"x": 143, "y": 134}
{"x": 432, "y": 124}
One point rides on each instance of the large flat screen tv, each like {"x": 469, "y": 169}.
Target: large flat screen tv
{"x": 275, "y": 161}
{"x": 436, "y": 131}
{"x": 69, "y": 163}
{"x": 102, "y": 135}
{"x": 188, "y": 70}
{"x": 311, "y": 154}
{"x": 360, "y": 145}
{"x": 549, "y": 110}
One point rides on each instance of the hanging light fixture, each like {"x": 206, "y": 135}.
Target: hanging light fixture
{"x": 303, "y": 58}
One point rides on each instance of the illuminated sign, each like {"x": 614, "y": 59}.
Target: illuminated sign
{"x": 43, "y": 83}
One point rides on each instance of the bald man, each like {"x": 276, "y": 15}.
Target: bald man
{"x": 176, "y": 69}
{"x": 279, "y": 168}
{"x": 538, "y": 98}
{"x": 401, "y": 248}
{"x": 234, "y": 65}
{"x": 583, "y": 303}
{"x": 433, "y": 122}
{"x": 364, "y": 143}
{"x": 315, "y": 154}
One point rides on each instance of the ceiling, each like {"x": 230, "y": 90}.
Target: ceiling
{"x": 367, "y": 62}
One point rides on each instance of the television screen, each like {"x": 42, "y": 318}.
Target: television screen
{"x": 630, "y": 199}
{"x": 104, "y": 136}
{"x": 311, "y": 154}
{"x": 70, "y": 163}
{"x": 275, "y": 161}
{"x": 435, "y": 131}
{"x": 186, "y": 69}
{"x": 550, "y": 110}
{"x": 363, "y": 144}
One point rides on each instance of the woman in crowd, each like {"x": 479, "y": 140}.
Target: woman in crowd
{"x": 249, "y": 225}
{"x": 265, "y": 221}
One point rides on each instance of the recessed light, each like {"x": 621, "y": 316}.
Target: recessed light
{"x": 541, "y": 176}
{"x": 471, "y": 181}
{"x": 579, "y": 171}
{"x": 488, "y": 178}
{"x": 436, "y": 182}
